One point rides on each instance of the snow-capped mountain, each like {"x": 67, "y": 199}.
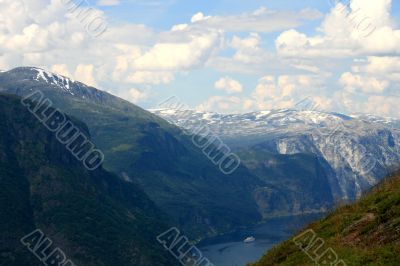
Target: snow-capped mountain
{"x": 20, "y": 78}
{"x": 359, "y": 149}
{"x": 267, "y": 122}
{"x": 62, "y": 82}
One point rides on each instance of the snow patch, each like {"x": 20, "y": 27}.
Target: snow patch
{"x": 62, "y": 82}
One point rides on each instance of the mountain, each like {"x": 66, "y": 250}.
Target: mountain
{"x": 150, "y": 153}
{"x": 364, "y": 233}
{"x": 355, "y": 151}
{"x": 293, "y": 184}
{"x": 93, "y": 216}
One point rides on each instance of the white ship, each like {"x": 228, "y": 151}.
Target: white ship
{"x": 249, "y": 239}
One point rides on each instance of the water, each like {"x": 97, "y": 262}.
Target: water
{"x": 229, "y": 250}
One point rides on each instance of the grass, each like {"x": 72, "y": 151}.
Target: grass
{"x": 364, "y": 233}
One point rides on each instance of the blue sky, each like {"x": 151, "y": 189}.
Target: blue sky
{"x": 224, "y": 56}
{"x": 164, "y": 14}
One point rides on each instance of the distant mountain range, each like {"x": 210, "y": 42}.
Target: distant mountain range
{"x": 355, "y": 151}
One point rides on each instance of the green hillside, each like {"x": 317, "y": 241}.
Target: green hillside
{"x": 158, "y": 157}
{"x": 364, "y": 233}
{"x": 94, "y": 217}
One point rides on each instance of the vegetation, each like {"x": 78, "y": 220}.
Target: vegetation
{"x": 364, "y": 233}
{"x": 94, "y": 217}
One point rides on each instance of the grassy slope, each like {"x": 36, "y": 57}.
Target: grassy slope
{"x": 364, "y": 233}
{"x": 95, "y": 217}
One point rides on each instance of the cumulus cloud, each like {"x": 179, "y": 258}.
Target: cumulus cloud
{"x": 361, "y": 28}
{"x": 228, "y": 85}
{"x": 199, "y": 17}
{"x": 365, "y": 84}
{"x": 248, "y": 49}
{"x": 45, "y": 33}
{"x": 360, "y": 42}
{"x": 148, "y": 77}
{"x": 85, "y": 74}
{"x": 61, "y": 69}
{"x": 272, "y": 92}
{"x": 276, "y": 92}
{"x": 353, "y": 57}
{"x": 385, "y": 67}
{"x": 179, "y": 55}
{"x": 383, "y": 105}
{"x": 137, "y": 95}
{"x": 261, "y": 20}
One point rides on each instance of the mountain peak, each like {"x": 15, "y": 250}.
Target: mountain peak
{"x": 41, "y": 75}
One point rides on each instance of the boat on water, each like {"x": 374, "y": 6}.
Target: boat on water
{"x": 249, "y": 239}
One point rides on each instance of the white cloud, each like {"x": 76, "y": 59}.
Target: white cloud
{"x": 362, "y": 28}
{"x": 199, "y": 17}
{"x": 185, "y": 55}
{"x": 151, "y": 77}
{"x": 61, "y": 69}
{"x": 43, "y": 33}
{"x": 108, "y": 2}
{"x": 371, "y": 87}
{"x": 137, "y": 95}
{"x": 248, "y": 50}
{"x": 285, "y": 90}
{"x": 229, "y": 85}
{"x": 364, "y": 84}
{"x": 362, "y": 32}
{"x": 272, "y": 92}
{"x": 179, "y": 27}
{"x": 373, "y": 104}
{"x": 84, "y": 73}
{"x": 383, "y": 105}
{"x": 261, "y": 20}
{"x": 385, "y": 67}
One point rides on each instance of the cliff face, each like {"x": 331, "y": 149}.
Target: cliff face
{"x": 293, "y": 184}
{"x": 364, "y": 233}
{"x": 93, "y": 216}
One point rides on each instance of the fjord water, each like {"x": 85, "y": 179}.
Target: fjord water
{"x": 230, "y": 250}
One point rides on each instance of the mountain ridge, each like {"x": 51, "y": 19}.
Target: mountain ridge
{"x": 359, "y": 150}
{"x": 153, "y": 154}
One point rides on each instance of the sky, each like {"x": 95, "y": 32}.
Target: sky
{"x": 221, "y": 56}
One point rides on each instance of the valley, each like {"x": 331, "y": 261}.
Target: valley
{"x": 199, "y": 133}
{"x": 293, "y": 163}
